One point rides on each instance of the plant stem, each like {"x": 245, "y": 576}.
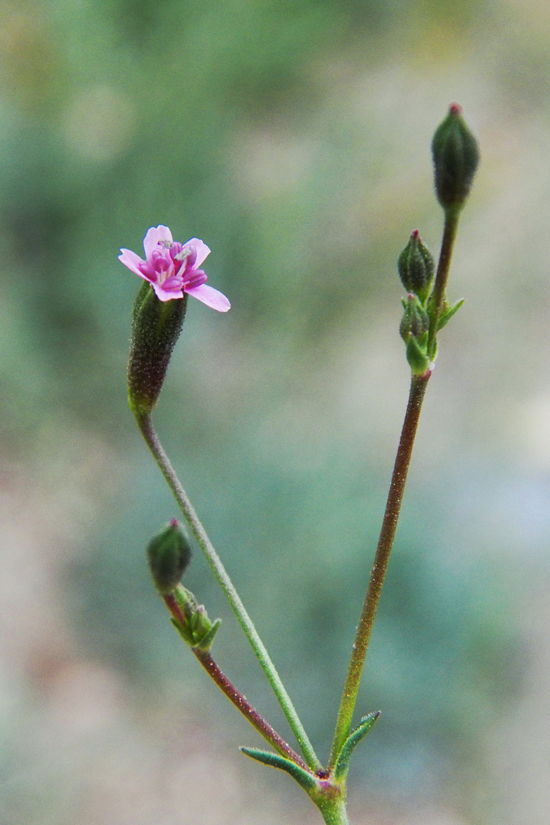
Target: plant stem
{"x": 149, "y": 434}
{"x": 336, "y": 813}
{"x": 234, "y": 695}
{"x": 385, "y": 542}
{"x": 419, "y": 384}
{"x": 438, "y": 296}
{"x": 241, "y": 703}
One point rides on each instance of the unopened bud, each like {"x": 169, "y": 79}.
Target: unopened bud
{"x": 416, "y": 267}
{"x": 455, "y": 156}
{"x": 415, "y": 319}
{"x": 168, "y": 554}
{"x": 156, "y": 326}
{"x": 414, "y": 331}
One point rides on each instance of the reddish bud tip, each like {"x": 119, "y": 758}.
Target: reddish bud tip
{"x": 174, "y": 522}
{"x": 455, "y": 109}
{"x": 415, "y": 234}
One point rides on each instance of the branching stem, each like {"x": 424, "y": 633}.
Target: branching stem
{"x": 419, "y": 384}
{"x": 151, "y": 438}
{"x": 234, "y": 695}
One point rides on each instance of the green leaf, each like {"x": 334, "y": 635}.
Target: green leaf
{"x": 448, "y": 313}
{"x": 205, "y": 644}
{"x": 306, "y": 780}
{"x": 184, "y": 632}
{"x": 344, "y": 757}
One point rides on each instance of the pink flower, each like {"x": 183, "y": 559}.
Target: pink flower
{"x": 172, "y": 268}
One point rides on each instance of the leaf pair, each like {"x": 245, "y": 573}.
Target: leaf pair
{"x": 309, "y": 781}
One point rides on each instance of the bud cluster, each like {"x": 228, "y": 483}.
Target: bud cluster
{"x": 198, "y": 631}
{"x": 416, "y": 269}
{"x": 426, "y": 311}
{"x": 169, "y": 555}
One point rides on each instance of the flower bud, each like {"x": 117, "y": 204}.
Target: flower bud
{"x": 156, "y": 326}
{"x": 168, "y": 554}
{"x": 455, "y": 156}
{"x": 416, "y": 267}
{"x": 414, "y": 331}
{"x": 415, "y": 321}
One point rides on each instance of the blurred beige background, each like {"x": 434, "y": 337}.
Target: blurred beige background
{"x": 293, "y": 137}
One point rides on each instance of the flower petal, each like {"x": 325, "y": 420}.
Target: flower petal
{"x": 132, "y": 261}
{"x": 154, "y": 236}
{"x": 166, "y": 294}
{"x": 201, "y": 250}
{"x": 210, "y": 296}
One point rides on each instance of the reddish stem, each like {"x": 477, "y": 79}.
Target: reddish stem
{"x": 235, "y": 696}
{"x": 381, "y": 559}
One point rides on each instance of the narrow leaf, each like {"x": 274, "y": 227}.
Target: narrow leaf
{"x": 306, "y": 780}
{"x": 344, "y": 758}
{"x": 448, "y": 314}
{"x": 183, "y": 631}
{"x": 207, "y": 640}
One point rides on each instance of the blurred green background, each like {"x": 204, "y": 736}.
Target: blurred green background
{"x": 293, "y": 138}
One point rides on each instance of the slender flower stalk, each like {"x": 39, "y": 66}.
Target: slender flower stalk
{"x": 242, "y": 704}
{"x": 385, "y": 543}
{"x": 233, "y": 694}
{"x": 151, "y": 438}
{"x": 455, "y": 156}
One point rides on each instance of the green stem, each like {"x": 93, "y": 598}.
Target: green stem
{"x": 335, "y": 813}
{"x": 439, "y": 297}
{"x": 148, "y": 431}
{"x": 385, "y": 542}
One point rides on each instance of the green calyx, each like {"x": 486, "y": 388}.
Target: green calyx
{"x": 455, "y": 156}
{"x": 168, "y": 554}
{"x": 413, "y": 329}
{"x": 156, "y": 326}
{"x": 198, "y": 631}
{"x": 415, "y": 321}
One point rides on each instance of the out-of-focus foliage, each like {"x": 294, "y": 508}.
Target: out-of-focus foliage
{"x": 293, "y": 137}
